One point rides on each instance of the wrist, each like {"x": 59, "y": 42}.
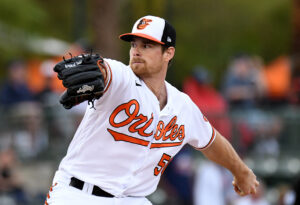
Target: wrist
{"x": 241, "y": 171}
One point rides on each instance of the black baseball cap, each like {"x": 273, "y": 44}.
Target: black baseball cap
{"x": 153, "y": 28}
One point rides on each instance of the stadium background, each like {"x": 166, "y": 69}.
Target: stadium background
{"x": 238, "y": 60}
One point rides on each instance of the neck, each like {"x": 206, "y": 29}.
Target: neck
{"x": 158, "y": 87}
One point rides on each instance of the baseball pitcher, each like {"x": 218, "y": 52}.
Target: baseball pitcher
{"x": 137, "y": 124}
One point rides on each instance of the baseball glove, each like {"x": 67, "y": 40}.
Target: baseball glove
{"x": 83, "y": 77}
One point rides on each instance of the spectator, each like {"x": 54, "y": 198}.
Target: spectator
{"x": 15, "y": 89}
{"x": 243, "y": 88}
{"x": 23, "y": 115}
{"x": 243, "y": 84}
{"x": 10, "y": 183}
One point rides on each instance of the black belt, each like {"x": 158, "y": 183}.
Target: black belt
{"x": 97, "y": 191}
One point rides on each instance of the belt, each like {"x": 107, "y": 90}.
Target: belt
{"x": 97, "y": 191}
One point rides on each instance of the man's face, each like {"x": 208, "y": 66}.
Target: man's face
{"x": 146, "y": 57}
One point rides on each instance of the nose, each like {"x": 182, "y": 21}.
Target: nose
{"x": 136, "y": 51}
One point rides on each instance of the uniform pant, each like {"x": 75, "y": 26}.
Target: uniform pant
{"x": 61, "y": 193}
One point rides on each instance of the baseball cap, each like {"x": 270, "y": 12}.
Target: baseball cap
{"x": 153, "y": 28}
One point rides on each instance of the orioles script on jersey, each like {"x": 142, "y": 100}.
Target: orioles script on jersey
{"x": 168, "y": 135}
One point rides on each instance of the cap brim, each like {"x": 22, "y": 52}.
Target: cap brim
{"x": 129, "y": 36}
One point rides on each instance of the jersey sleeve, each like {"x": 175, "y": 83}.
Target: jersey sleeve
{"x": 117, "y": 75}
{"x": 118, "y": 79}
{"x": 201, "y": 133}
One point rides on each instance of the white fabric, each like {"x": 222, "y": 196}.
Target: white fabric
{"x": 154, "y": 29}
{"x": 63, "y": 194}
{"x": 100, "y": 153}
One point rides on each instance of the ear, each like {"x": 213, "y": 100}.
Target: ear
{"x": 169, "y": 53}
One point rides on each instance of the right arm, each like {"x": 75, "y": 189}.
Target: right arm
{"x": 222, "y": 153}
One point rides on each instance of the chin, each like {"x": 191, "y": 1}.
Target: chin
{"x": 137, "y": 72}
{"x": 137, "y": 69}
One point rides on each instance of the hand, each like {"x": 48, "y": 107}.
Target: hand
{"x": 84, "y": 78}
{"x": 245, "y": 183}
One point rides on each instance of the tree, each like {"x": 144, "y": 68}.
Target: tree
{"x": 296, "y": 35}
{"x": 105, "y": 27}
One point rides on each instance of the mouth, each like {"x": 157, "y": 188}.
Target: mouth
{"x": 137, "y": 61}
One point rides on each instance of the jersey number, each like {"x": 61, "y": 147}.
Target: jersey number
{"x": 162, "y": 164}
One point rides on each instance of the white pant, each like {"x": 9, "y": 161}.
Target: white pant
{"x": 62, "y": 194}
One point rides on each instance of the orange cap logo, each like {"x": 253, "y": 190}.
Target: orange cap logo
{"x": 143, "y": 23}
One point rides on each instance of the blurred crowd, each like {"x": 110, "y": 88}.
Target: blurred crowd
{"x": 36, "y": 128}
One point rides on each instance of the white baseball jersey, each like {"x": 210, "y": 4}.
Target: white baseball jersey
{"x": 126, "y": 143}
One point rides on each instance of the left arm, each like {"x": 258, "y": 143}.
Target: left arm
{"x": 222, "y": 153}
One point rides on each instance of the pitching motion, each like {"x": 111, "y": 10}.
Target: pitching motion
{"x": 140, "y": 122}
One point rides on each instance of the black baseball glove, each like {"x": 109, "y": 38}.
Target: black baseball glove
{"x": 83, "y": 77}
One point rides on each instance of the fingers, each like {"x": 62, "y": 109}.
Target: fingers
{"x": 251, "y": 190}
{"x": 237, "y": 189}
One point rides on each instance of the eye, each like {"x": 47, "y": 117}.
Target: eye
{"x": 133, "y": 44}
{"x": 147, "y": 45}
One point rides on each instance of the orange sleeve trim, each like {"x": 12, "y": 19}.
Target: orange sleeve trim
{"x": 103, "y": 70}
{"x": 211, "y": 139}
{"x": 110, "y": 78}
